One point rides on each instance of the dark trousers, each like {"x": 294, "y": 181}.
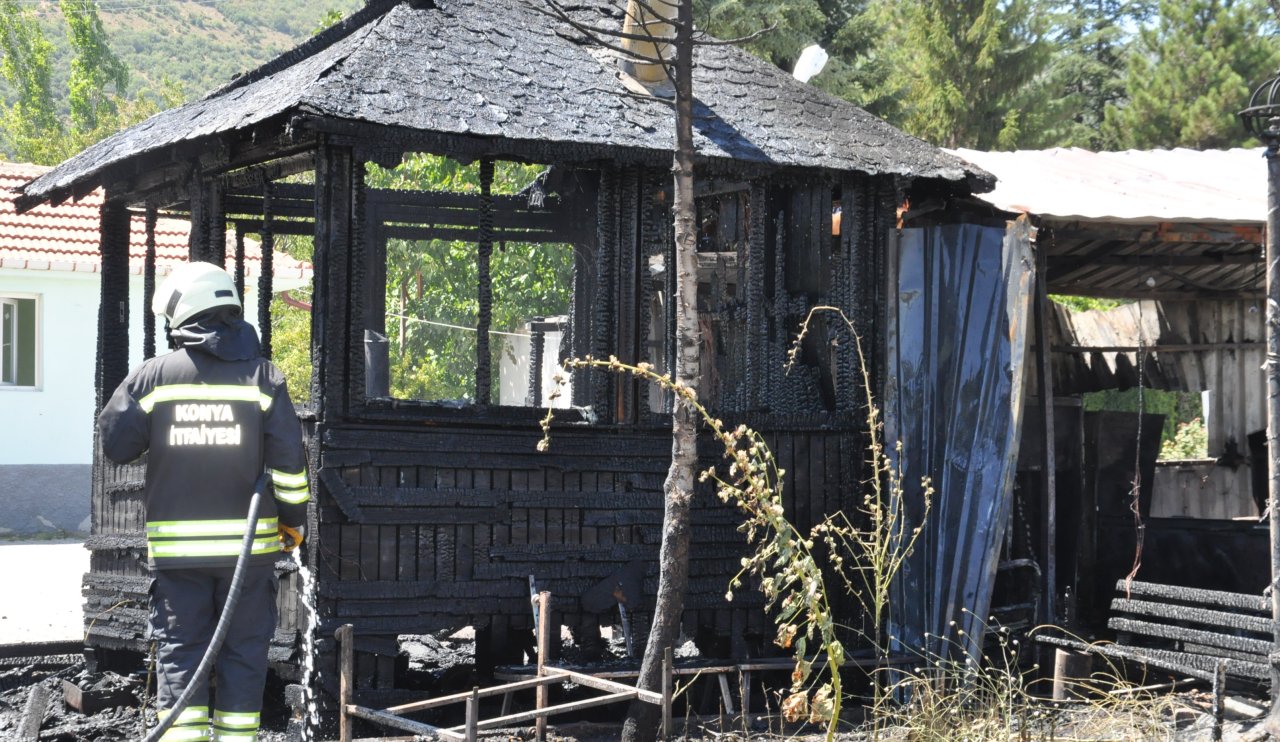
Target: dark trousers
{"x": 185, "y": 606}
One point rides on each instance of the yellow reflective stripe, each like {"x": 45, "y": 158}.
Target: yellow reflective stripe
{"x": 287, "y": 480}
{"x": 238, "y": 719}
{"x": 173, "y": 528}
{"x": 293, "y": 497}
{"x": 220, "y": 547}
{"x": 206, "y": 392}
{"x": 189, "y": 715}
{"x": 222, "y": 734}
{"x": 184, "y": 734}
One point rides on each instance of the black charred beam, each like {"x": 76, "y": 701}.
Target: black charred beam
{"x": 113, "y": 311}
{"x": 149, "y": 286}
{"x": 330, "y": 320}
{"x": 266, "y": 233}
{"x": 484, "y": 289}
{"x": 1215, "y": 598}
{"x": 1190, "y": 614}
{"x": 1258, "y": 649}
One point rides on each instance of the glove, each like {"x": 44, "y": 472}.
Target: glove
{"x": 290, "y": 537}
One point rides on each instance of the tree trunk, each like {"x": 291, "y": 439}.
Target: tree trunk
{"x": 673, "y": 560}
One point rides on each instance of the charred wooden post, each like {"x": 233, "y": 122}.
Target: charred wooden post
{"x": 358, "y": 354}
{"x": 756, "y": 317}
{"x": 330, "y": 322}
{"x": 537, "y": 341}
{"x": 626, "y": 342}
{"x": 603, "y": 314}
{"x": 113, "y": 312}
{"x": 198, "y": 239}
{"x": 216, "y": 245}
{"x": 238, "y": 274}
{"x": 266, "y": 269}
{"x": 1048, "y": 464}
{"x": 149, "y": 286}
{"x": 484, "y": 318}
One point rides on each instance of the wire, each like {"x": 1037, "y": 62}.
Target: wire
{"x": 455, "y": 327}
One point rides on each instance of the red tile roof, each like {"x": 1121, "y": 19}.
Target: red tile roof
{"x": 65, "y": 237}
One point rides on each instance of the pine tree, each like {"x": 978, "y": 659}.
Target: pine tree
{"x": 841, "y": 27}
{"x": 962, "y": 72}
{"x": 1190, "y": 72}
{"x": 1086, "y": 73}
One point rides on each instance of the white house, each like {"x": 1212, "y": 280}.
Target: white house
{"x": 49, "y": 287}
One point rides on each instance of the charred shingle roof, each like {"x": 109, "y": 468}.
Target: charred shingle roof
{"x": 501, "y": 69}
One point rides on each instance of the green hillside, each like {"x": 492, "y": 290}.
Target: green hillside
{"x": 196, "y": 44}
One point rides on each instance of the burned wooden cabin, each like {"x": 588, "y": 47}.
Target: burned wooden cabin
{"x": 432, "y": 514}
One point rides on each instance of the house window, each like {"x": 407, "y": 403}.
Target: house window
{"x": 18, "y": 342}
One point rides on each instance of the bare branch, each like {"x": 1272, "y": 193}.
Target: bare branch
{"x": 597, "y": 36}
{"x": 701, "y": 39}
{"x": 592, "y": 34}
{"x": 657, "y": 41}
{"x": 632, "y": 94}
{"x": 644, "y": 5}
{"x": 626, "y": 55}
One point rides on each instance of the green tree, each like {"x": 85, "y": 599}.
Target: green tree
{"x": 33, "y": 130}
{"x": 1086, "y": 73}
{"x": 963, "y": 73}
{"x": 98, "y": 78}
{"x": 32, "y": 120}
{"x": 1190, "y": 72}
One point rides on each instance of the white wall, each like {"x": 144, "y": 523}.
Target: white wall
{"x": 53, "y": 424}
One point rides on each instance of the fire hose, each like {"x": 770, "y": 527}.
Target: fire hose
{"x": 224, "y": 621}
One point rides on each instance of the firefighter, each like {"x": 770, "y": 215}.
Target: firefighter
{"x": 211, "y": 415}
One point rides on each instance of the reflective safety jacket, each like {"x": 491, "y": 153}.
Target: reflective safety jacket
{"x": 211, "y": 415}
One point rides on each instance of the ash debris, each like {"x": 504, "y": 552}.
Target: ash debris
{"x": 34, "y": 699}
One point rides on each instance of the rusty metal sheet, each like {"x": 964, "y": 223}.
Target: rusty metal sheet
{"x": 953, "y": 399}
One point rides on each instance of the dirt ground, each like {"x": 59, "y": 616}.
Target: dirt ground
{"x": 1191, "y": 723}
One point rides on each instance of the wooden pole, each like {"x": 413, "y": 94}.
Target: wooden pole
{"x": 544, "y": 644}
{"x": 667, "y": 664}
{"x": 346, "y": 669}
{"x": 473, "y": 714}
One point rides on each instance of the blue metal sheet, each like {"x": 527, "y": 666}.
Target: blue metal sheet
{"x": 953, "y": 399}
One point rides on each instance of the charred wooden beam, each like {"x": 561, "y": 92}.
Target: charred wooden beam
{"x": 484, "y": 316}
{"x": 359, "y": 287}
{"x": 266, "y": 270}
{"x": 330, "y": 322}
{"x": 149, "y": 286}
{"x": 113, "y": 311}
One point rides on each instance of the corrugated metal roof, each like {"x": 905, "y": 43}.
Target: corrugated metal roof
{"x": 1134, "y": 186}
{"x": 65, "y": 237}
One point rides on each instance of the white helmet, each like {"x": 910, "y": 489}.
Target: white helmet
{"x": 191, "y": 289}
